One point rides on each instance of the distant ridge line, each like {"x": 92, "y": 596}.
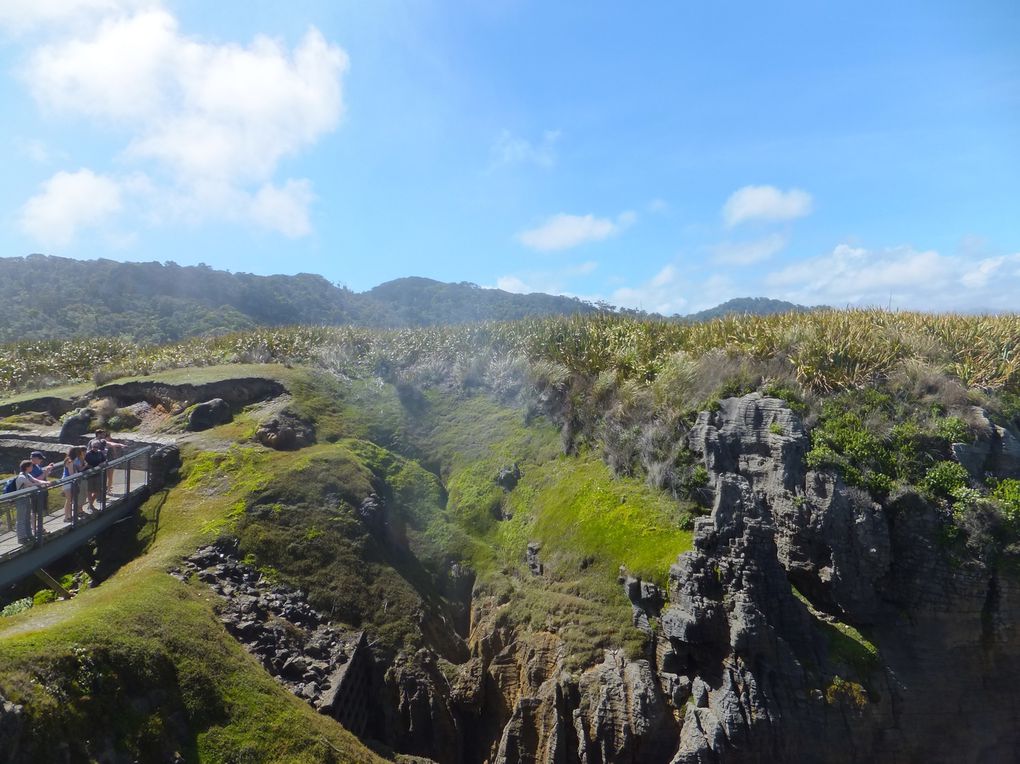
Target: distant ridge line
{"x": 155, "y": 303}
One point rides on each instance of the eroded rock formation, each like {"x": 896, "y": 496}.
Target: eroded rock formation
{"x": 770, "y": 679}
{"x": 808, "y": 624}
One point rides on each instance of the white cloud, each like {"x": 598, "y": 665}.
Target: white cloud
{"x": 202, "y": 110}
{"x": 750, "y": 252}
{"x": 981, "y": 273}
{"x": 215, "y": 119}
{"x": 766, "y": 203}
{"x": 564, "y": 231}
{"x": 658, "y": 206}
{"x": 67, "y": 202}
{"x": 514, "y": 284}
{"x": 550, "y": 282}
{"x": 284, "y": 209}
{"x": 121, "y": 71}
{"x": 511, "y": 149}
{"x": 25, "y": 15}
{"x": 660, "y": 294}
{"x": 903, "y": 278}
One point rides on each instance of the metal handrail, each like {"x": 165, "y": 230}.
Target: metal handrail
{"x": 92, "y": 471}
{"x": 38, "y": 495}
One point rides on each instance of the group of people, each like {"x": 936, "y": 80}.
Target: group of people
{"x": 34, "y": 472}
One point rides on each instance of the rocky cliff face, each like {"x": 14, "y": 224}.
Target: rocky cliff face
{"x": 809, "y": 624}
{"x": 771, "y": 680}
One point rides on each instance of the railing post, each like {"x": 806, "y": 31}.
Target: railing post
{"x": 102, "y": 487}
{"x": 75, "y": 501}
{"x": 38, "y": 497}
{"x": 127, "y": 477}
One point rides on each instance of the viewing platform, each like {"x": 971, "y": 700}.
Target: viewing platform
{"x": 120, "y": 484}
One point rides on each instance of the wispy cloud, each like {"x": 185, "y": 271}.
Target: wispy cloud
{"x": 766, "y": 203}
{"x": 37, "y": 151}
{"x": 903, "y": 277}
{"x": 512, "y": 149}
{"x": 663, "y": 293}
{"x": 749, "y": 252}
{"x": 565, "y": 231}
{"x": 550, "y": 282}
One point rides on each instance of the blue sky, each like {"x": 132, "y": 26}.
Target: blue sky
{"x": 663, "y": 156}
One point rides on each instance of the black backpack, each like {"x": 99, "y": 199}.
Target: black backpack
{"x": 11, "y": 485}
{"x": 95, "y": 458}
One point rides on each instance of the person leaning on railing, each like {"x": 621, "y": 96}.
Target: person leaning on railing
{"x": 94, "y": 458}
{"x": 38, "y": 469}
{"x": 74, "y": 463}
{"x": 111, "y": 450}
{"x": 24, "y": 503}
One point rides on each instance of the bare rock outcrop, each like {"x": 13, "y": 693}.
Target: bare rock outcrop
{"x": 285, "y": 432}
{"x": 11, "y": 726}
{"x": 995, "y": 451}
{"x": 209, "y": 414}
{"x": 786, "y": 566}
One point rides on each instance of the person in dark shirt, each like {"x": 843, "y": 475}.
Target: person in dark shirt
{"x": 94, "y": 457}
{"x": 39, "y": 470}
{"x": 111, "y": 450}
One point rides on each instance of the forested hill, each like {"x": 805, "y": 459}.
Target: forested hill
{"x": 416, "y": 301}
{"x": 53, "y": 297}
{"x": 750, "y": 306}
{"x": 48, "y": 297}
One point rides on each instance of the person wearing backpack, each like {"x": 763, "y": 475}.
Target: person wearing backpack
{"x": 24, "y": 480}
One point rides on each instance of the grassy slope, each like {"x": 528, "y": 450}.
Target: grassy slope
{"x": 72, "y": 663}
{"x": 142, "y": 659}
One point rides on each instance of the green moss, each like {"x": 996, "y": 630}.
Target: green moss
{"x": 319, "y": 397}
{"x": 847, "y": 646}
{"x": 587, "y": 624}
{"x": 147, "y": 669}
{"x": 30, "y": 421}
{"x": 156, "y": 672}
{"x": 578, "y": 510}
{"x": 386, "y": 575}
{"x": 842, "y": 691}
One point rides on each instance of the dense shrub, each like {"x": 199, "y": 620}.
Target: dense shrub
{"x": 943, "y": 479}
{"x": 18, "y": 606}
{"x": 1007, "y": 494}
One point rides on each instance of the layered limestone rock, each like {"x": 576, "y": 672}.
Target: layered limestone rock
{"x": 774, "y": 679}
{"x": 808, "y": 624}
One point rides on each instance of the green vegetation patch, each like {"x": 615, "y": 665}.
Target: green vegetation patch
{"x": 876, "y": 441}
{"x": 578, "y": 511}
{"x": 141, "y": 666}
{"x": 850, "y": 648}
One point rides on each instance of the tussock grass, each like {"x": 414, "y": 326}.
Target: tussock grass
{"x": 824, "y": 350}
